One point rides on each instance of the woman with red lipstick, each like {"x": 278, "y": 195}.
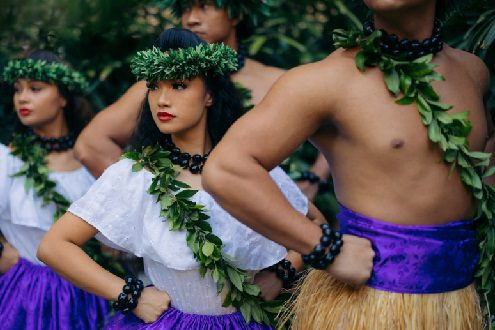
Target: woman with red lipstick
{"x": 39, "y": 176}
{"x": 200, "y": 260}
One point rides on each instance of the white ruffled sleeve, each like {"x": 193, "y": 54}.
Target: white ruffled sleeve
{"x": 5, "y": 181}
{"x": 294, "y": 195}
{"x": 114, "y": 206}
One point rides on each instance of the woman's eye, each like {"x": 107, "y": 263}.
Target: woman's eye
{"x": 152, "y": 86}
{"x": 179, "y": 85}
{"x": 35, "y": 89}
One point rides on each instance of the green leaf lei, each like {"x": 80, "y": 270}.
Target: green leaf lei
{"x": 154, "y": 65}
{"x": 34, "y": 169}
{"x": 253, "y": 10}
{"x": 410, "y": 82}
{"x": 55, "y": 73}
{"x": 183, "y": 214}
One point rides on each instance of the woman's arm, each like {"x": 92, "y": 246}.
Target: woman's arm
{"x": 61, "y": 250}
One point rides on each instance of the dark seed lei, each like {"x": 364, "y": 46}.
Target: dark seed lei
{"x": 241, "y": 57}
{"x": 193, "y": 163}
{"x": 406, "y": 49}
{"x": 410, "y": 82}
{"x": 54, "y": 144}
{"x": 183, "y": 214}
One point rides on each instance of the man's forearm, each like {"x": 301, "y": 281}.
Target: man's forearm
{"x": 275, "y": 219}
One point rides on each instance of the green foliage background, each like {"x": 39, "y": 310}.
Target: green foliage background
{"x": 99, "y": 36}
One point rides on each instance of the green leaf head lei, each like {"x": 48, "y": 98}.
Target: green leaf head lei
{"x": 252, "y": 10}
{"x": 53, "y": 73}
{"x": 185, "y": 63}
{"x": 410, "y": 82}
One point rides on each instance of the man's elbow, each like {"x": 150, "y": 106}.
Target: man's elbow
{"x": 212, "y": 177}
{"x": 82, "y": 150}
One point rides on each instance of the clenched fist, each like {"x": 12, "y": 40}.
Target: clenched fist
{"x": 354, "y": 263}
{"x": 151, "y": 304}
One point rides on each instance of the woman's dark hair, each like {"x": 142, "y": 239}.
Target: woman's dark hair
{"x": 78, "y": 112}
{"x": 224, "y": 111}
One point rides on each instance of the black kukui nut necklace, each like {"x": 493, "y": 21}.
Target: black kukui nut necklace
{"x": 193, "y": 163}
{"x": 53, "y": 143}
{"x": 406, "y": 49}
{"x": 241, "y": 57}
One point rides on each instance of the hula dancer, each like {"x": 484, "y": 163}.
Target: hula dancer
{"x": 144, "y": 204}
{"x": 401, "y": 120}
{"x": 228, "y": 22}
{"x": 39, "y": 176}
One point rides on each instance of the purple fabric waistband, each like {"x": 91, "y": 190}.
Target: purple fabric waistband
{"x": 416, "y": 259}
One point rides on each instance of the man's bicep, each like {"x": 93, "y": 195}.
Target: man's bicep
{"x": 270, "y": 132}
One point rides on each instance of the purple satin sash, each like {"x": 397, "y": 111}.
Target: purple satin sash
{"x": 416, "y": 259}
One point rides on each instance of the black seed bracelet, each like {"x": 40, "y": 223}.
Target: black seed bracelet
{"x": 325, "y": 252}
{"x": 285, "y": 272}
{"x": 133, "y": 288}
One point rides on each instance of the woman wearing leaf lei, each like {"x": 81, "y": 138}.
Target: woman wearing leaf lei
{"x": 400, "y": 117}
{"x": 38, "y": 177}
{"x": 199, "y": 259}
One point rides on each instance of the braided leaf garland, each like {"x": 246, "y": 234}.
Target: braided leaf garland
{"x": 410, "y": 82}
{"x": 154, "y": 65}
{"x": 54, "y": 73}
{"x": 183, "y": 214}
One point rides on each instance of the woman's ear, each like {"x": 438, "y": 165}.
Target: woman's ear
{"x": 209, "y": 100}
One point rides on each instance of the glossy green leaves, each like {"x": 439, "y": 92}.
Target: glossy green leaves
{"x": 410, "y": 82}
{"x": 182, "y": 213}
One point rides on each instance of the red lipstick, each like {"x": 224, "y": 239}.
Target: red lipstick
{"x": 164, "y": 116}
{"x": 24, "y": 112}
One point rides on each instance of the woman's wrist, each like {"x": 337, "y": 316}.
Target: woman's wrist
{"x": 285, "y": 272}
{"x": 127, "y": 300}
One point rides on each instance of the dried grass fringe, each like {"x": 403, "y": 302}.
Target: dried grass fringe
{"x": 321, "y": 302}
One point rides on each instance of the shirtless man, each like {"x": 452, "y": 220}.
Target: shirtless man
{"x": 383, "y": 164}
{"x": 101, "y": 143}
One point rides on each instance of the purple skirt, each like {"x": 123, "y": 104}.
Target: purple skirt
{"x": 35, "y": 297}
{"x": 177, "y": 320}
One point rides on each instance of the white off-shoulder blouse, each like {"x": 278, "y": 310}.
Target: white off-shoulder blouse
{"x": 120, "y": 208}
{"x": 24, "y": 219}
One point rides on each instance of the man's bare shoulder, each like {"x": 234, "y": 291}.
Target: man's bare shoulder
{"x": 263, "y": 72}
{"x": 330, "y": 72}
{"x": 472, "y": 64}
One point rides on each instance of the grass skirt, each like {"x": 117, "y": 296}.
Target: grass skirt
{"x": 321, "y": 302}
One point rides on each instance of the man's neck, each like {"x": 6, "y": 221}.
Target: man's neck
{"x": 231, "y": 41}
{"x": 411, "y": 24}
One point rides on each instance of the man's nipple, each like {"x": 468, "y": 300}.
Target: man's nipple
{"x": 397, "y": 143}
